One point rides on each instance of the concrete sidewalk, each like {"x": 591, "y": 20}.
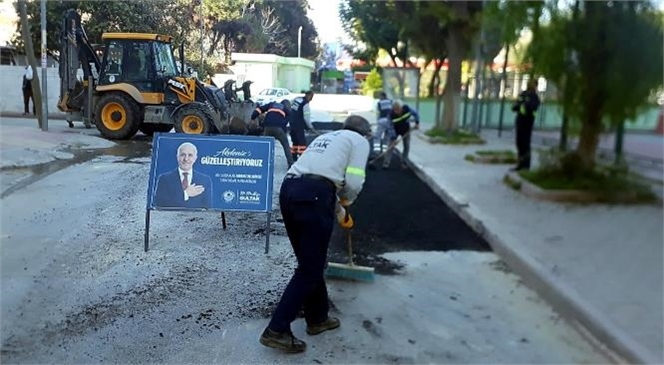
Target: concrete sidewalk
{"x": 600, "y": 266}
{"x": 23, "y": 144}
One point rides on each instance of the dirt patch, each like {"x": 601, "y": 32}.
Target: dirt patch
{"x": 396, "y": 211}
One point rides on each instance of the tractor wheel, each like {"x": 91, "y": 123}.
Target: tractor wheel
{"x": 149, "y": 129}
{"x": 193, "y": 118}
{"x": 117, "y": 116}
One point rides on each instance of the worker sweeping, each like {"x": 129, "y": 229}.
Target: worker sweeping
{"x": 401, "y": 117}
{"x": 329, "y": 173}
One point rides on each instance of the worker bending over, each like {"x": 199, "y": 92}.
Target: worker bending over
{"x": 275, "y": 119}
{"x": 401, "y": 117}
{"x": 323, "y": 181}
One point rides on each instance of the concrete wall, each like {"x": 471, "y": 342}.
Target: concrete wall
{"x": 267, "y": 70}
{"x": 549, "y": 115}
{"x": 11, "y": 96}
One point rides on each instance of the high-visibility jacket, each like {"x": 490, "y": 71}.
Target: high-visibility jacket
{"x": 527, "y": 104}
{"x": 341, "y": 157}
{"x": 384, "y": 107}
{"x": 405, "y": 115}
{"x": 301, "y": 116}
{"x": 276, "y": 115}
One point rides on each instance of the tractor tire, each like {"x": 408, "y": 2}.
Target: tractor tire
{"x": 194, "y": 118}
{"x": 149, "y": 129}
{"x": 117, "y": 116}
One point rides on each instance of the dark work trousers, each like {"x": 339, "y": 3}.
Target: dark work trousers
{"x": 524, "y": 132}
{"x": 400, "y": 129}
{"x": 299, "y": 141}
{"x": 307, "y": 207}
{"x": 280, "y": 135}
{"x": 27, "y": 95}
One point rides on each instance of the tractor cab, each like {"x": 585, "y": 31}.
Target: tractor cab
{"x": 139, "y": 59}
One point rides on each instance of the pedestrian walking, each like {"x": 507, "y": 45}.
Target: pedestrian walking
{"x": 319, "y": 186}
{"x": 27, "y": 92}
{"x": 526, "y": 108}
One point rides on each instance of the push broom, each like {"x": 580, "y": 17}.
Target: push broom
{"x": 389, "y": 149}
{"x": 349, "y": 271}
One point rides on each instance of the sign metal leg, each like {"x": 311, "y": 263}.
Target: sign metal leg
{"x": 147, "y": 230}
{"x": 267, "y": 233}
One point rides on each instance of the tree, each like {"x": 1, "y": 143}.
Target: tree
{"x": 161, "y": 16}
{"x": 267, "y": 29}
{"x": 614, "y": 72}
{"x": 419, "y": 30}
{"x": 373, "y": 83}
{"x": 462, "y": 25}
{"x": 505, "y": 19}
{"x": 293, "y": 15}
{"x": 233, "y": 35}
{"x": 377, "y": 25}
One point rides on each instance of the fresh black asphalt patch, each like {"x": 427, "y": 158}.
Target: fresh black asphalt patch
{"x": 396, "y": 211}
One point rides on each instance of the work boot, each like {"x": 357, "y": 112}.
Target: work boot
{"x": 329, "y": 324}
{"x": 284, "y": 341}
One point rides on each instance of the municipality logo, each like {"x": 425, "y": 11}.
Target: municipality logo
{"x": 228, "y": 196}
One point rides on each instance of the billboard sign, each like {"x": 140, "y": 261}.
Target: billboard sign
{"x": 220, "y": 173}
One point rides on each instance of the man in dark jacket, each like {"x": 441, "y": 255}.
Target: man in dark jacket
{"x": 401, "y": 116}
{"x": 525, "y": 107}
{"x": 275, "y": 119}
{"x": 300, "y": 120}
{"x": 27, "y": 91}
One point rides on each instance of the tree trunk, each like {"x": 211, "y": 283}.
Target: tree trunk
{"x": 452, "y": 93}
{"x": 434, "y": 85}
{"x": 437, "y": 119}
{"x": 32, "y": 61}
{"x": 589, "y": 137}
{"x": 564, "y": 95}
{"x": 618, "y": 148}
{"x": 537, "y": 13}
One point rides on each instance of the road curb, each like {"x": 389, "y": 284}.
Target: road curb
{"x": 600, "y": 330}
{"x": 9, "y": 114}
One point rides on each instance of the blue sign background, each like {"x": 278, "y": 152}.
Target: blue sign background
{"x": 241, "y": 169}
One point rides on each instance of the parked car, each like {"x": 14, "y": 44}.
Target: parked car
{"x": 273, "y": 94}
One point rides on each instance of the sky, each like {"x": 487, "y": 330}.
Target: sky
{"x": 325, "y": 16}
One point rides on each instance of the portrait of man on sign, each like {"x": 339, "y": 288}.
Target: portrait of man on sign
{"x": 184, "y": 187}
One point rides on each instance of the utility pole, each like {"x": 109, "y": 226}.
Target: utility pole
{"x": 44, "y": 65}
{"x": 299, "y": 41}
{"x": 202, "y": 77}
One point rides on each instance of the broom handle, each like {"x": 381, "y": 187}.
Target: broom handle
{"x": 390, "y": 147}
{"x": 350, "y": 244}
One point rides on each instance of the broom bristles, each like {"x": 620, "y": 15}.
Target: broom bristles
{"x": 352, "y": 272}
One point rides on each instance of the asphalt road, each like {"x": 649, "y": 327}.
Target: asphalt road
{"x": 78, "y": 288}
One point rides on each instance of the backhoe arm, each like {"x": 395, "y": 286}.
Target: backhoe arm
{"x": 75, "y": 51}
